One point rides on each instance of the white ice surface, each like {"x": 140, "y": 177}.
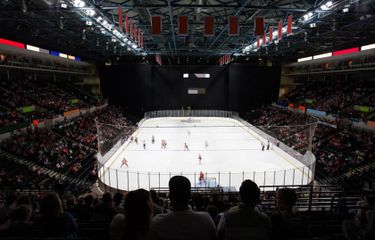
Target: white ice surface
{"x": 233, "y": 154}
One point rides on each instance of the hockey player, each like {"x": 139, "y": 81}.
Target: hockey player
{"x": 199, "y": 158}
{"x": 186, "y": 147}
{"x": 153, "y": 139}
{"x": 144, "y": 144}
{"x": 206, "y": 144}
{"x": 124, "y": 162}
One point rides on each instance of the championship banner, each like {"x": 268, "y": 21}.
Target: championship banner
{"x": 264, "y": 38}
{"x": 271, "y": 34}
{"x": 156, "y": 25}
{"x": 280, "y": 30}
{"x": 259, "y": 26}
{"x": 120, "y": 17}
{"x": 289, "y": 27}
{"x": 127, "y": 24}
{"x": 233, "y": 28}
{"x": 131, "y": 28}
{"x": 183, "y": 27}
{"x": 209, "y": 26}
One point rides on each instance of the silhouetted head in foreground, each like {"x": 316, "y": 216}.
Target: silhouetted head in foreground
{"x": 249, "y": 193}
{"x": 179, "y": 192}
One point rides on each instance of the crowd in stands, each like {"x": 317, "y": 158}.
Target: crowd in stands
{"x": 336, "y": 149}
{"x": 142, "y": 214}
{"x": 339, "y": 96}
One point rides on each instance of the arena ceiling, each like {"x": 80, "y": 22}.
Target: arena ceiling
{"x": 62, "y": 25}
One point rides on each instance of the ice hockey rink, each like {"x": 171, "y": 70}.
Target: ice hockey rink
{"x": 233, "y": 153}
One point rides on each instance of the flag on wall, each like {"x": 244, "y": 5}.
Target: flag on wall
{"x": 259, "y": 26}
{"x": 183, "y": 27}
{"x": 233, "y": 29}
{"x": 156, "y": 25}
{"x": 209, "y": 22}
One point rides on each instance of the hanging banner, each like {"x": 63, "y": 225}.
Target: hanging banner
{"x": 280, "y": 30}
{"x": 127, "y": 24}
{"x": 233, "y": 28}
{"x": 209, "y": 22}
{"x": 120, "y": 18}
{"x": 271, "y": 34}
{"x": 156, "y": 25}
{"x": 289, "y": 27}
{"x": 183, "y": 25}
{"x": 259, "y": 26}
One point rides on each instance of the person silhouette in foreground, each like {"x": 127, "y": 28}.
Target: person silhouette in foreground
{"x": 182, "y": 222}
{"x": 245, "y": 221}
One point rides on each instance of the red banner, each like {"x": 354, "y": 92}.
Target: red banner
{"x": 127, "y": 24}
{"x": 233, "y": 29}
{"x": 259, "y": 26}
{"x": 280, "y": 30}
{"x": 156, "y": 25}
{"x": 209, "y": 22}
{"x": 131, "y": 28}
{"x": 135, "y": 32}
{"x": 289, "y": 27}
{"x": 264, "y": 38}
{"x": 139, "y": 37}
{"x": 271, "y": 34}
{"x": 258, "y": 40}
{"x": 120, "y": 18}
{"x": 183, "y": 25}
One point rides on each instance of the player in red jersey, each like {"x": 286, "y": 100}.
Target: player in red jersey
{"x": 124, "y": 162}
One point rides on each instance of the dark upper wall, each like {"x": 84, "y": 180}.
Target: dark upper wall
{"x": 144, "y": 87}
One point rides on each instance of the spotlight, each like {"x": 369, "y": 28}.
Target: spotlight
{"x": 312, "y": 25}
{"x": 345, "y": 10}
{"x": 64, "y": 5}
{"x": 78, "y": 3}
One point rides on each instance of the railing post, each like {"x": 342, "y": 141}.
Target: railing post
{"x": 230, "y": 179}
{"x": 274, "y": 179}
{"x": 127, "y": 176}
{"x": 303, "y": 173}
{"x": 264, "y": 179}
{"x": 117, "y": 179}
{"x": 109, "y": 178}
{"x": 219, "y": 178}
{"x": 159, "y": 181}
{"x": 195, "y": 179}
{"x": 207, "y": 179}
{"x": 149, "y": 181}
{"x": 138, "y": 179}
{"x": 308, "y": 175}
{"x": 294, "y": 174}
{"x": 284, "y": 178}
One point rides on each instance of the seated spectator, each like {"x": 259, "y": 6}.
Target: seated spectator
{"x": 8, "y": 207}
{"x": 286, "y": 223}
{"x": 19, "y": 221}
{"x": 134, "y": 224}
{"x": 245, "y": 221}
{"x": 54, "y": 222}
{"x": 182, "y": 223}
{"x": 117, "y": 199}
{"x": 105, "y": 211}
{"x": 156, "y": 208}
{"x": 86, "y": 209}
